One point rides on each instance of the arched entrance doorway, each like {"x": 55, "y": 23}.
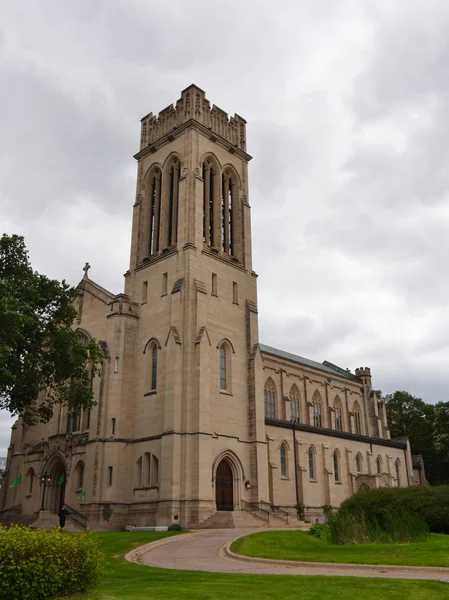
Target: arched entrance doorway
{"x": 56, "y": 487}
{"x": 224, "y": 486}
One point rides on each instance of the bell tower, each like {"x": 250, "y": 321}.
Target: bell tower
{"x": 191, "y": 273}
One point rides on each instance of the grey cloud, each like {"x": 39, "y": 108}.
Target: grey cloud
{"x": 348, "y": 124}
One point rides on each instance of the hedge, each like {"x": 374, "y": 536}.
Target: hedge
{"x": 431, "y": 503}
{"x": 37, "y": 564}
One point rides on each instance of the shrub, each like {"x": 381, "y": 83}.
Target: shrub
{"x": 322, "y": 532}
{"x": 390, "y": 527}
{"x": 36, "y": 564}
{"x": 430, "y": 503}
{"x": 175, "y": 527}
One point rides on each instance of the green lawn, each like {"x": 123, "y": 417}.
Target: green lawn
{"x": 298, "y": 545}
{"x": 125, "y": 581}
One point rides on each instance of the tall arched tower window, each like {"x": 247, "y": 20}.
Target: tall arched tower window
{"x": 358, "y": 463}
{"x": 228, "y": 212}
{"x": 151, "y": 353}
{"x": 210, "y": 203}
{"x": 171, "y": 201}
{"x": 154, "y": 212}
{"x": 270, "y": 399}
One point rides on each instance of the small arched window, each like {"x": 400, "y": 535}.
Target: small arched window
{"x": 379, "y": 465}
{"x": 283, "y": 452}
{"x": 139, "y": 472}
{"x": 30, "y": 480}
{"x": 311, "y": 462}
{"x": 155, "y": 471}
{"x": 398, "y": 473}
{"x": 295, "y": 400}
{"x": 337, "y": 466}
{"x": 357, "y": 418}
{"x": 358, "y": 463}
{"x": 270, "y": 399}
{"x": 338, "y": 412}
{"x": 79, "y": 471}
{"x": 317, "y": 416}
{"x": 146, "y": 476}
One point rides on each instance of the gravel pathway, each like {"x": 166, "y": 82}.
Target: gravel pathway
{"x": 209, "y": 550}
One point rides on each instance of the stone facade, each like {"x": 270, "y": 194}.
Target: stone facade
{"x": 192, "y": 413}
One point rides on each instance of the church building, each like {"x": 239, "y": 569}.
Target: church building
{"x": 194, "y": 416}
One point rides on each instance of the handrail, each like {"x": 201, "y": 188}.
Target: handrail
{"x": 79, "y": 519}
{"x": 278, "y": 512}
{"x": 257, "y": 511}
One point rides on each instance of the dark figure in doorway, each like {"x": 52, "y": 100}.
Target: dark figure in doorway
{"x": 63, "y": 515}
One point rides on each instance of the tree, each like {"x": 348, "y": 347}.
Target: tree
{"x": 43, "y": 361}
{"x": 426, "y": 426}
{"x": 441, "y": 430}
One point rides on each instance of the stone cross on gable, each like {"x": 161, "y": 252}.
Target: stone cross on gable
{"x": 86, "y": 269}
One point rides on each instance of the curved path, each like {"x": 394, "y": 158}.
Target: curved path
{"x": 209, "y": 550}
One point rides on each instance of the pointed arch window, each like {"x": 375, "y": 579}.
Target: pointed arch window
{"x": 317, "y": 414}
{"x": 357, "y": 419}
{"x": 30, "y": 480}
{"x": 397, "y": 465}
{"x": 311, "y": 462}
{"x": 379, "y": 465}
{"x": 228, "y": 209}
{"x": 270, "y": 399}
{"x": 172, "y": 202}
{"x": 225, "y": 350}
{"x": 209, "y": 203}
{"x": 155, "y": 212}
{"x": 358, "y": 463}
{"x": 337, "y": 475}
{"x": 338, "y": 412}
{"x": 283, "y": 453}
{"x": 147, "y": 470}
{"x": 152, "y": 352}
{"x": 295, "y": 400}
{"x": 79, "y": 475}
{"x": 223, "y": 378}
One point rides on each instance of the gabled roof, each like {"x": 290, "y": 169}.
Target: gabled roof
{"x": 326, "y": 367}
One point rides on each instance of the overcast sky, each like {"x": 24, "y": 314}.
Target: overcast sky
{"x": 348, "y": 123}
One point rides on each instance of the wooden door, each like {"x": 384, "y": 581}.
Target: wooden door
{"x": 224, "y": 487}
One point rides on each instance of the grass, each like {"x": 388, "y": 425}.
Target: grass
{"x": 125, "y": 581}
{"x": 298, "y": 545}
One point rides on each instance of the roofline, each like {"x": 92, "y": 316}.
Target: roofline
{"x": 333, "y": 433}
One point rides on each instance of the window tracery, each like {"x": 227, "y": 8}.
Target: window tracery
{"x": 270, "y": 399}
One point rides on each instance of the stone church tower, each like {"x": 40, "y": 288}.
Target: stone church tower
{"x": 191, "y": 275}
{"x": 193, "y": 415}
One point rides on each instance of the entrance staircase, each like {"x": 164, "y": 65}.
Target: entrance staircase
{"x": 75, "y": 521}
{"x": 252, "y": 515}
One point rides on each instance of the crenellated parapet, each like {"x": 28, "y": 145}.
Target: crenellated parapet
{"x": 193, "y": 104}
